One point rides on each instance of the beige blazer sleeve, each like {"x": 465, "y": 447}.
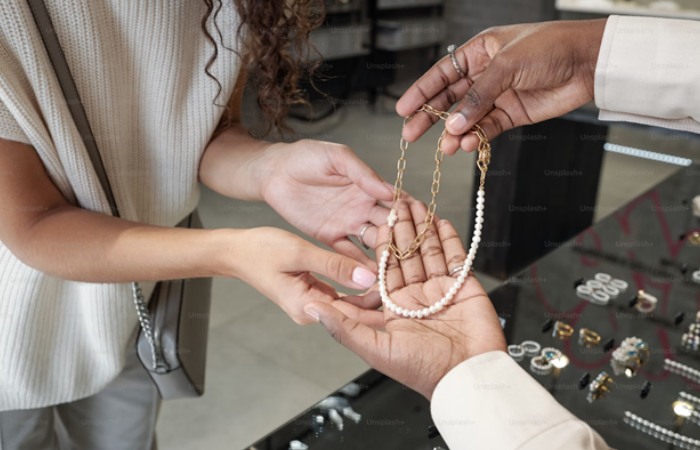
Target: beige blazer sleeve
{"x": 648, "y": 72}
{"x": 490, "y": 402}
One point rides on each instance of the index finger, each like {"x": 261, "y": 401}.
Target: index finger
{"x": 440, "y": 87}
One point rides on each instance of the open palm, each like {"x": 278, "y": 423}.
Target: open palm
{"x": 415, "y": 352}
{"x": 326, "y": 191}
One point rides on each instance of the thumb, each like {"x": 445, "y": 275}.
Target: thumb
{"x": 363, "y": 340}
{"x": 481, "y": 96}
{"x": 363, "y": 176}
{"x": 339, "y": 268}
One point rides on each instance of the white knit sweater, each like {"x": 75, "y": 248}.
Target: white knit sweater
{"x": 139, "y": 67}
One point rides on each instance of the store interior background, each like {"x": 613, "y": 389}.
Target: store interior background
{"x": 262, "y": 368}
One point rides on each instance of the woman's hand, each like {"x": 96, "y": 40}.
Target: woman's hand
{"x": 280, "y": 265}
{"x": 324, "y": 190}
{"x": 418, "y": 353}
{"x": 515, "y": 75}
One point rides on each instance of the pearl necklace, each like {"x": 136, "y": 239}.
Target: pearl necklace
{"x": 484, "y": 156}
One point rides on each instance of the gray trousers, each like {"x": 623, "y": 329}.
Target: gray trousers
{"x": 120, "y": 417}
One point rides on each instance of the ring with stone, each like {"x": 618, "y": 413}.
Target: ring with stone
{"x": 599, "y": 387}
{"x": 361, "y": 235}
{"x": 551, "y": 353}
{"x": 539, "y": 365}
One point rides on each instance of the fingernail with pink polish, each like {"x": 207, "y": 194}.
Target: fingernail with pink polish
{"x": 363, "y": 277}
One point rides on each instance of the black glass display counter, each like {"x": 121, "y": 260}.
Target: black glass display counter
{"x": 648, "y": 244}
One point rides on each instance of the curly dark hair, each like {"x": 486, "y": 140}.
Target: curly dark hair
{"x": 276, "y": 42}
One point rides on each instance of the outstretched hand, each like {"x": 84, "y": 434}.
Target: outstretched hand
{"x": 326, "y": 191}
{"x": 418, "y": 353}
{"x": 515, "y": 75}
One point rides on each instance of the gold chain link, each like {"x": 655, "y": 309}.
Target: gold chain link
{"x": 483, "y": 160}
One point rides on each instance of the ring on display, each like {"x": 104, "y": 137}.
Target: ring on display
{"x": 694, "y": 329}
{"x": 694, "y": 238}
{"x": 632, "y": 354}
{"x": 551, "y": 353}
{"x": 681, "y": 408}
{"x": 690, "y": 342}
{"x": 531, "y": 348}
{"x": 516, "y": 352}
{"x": 696, "y": 276}
{"x": 599, "y": 387}
{"x": 588, "y": 337}
{"x": 601, "y": 289}
{"x": 539, "y": 365}
{"x": 646, "y": 303}
{"x": 562, "y": 330}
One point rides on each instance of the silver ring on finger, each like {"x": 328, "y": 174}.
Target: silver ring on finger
{"x": 361, "y": 235}
{"x": 455, "y": 270}
{"x": 451, "y": 51}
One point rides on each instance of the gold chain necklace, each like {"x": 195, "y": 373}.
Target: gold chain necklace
{"x": 483, "y": 160}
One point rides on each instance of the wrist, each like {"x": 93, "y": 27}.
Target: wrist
{"x": 266, "y": 167}
{"x": 229, "y": 252}
{"x": 230, "y": 165}
{"x": 589, "y": 51}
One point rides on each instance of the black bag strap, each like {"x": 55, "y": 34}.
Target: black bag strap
{"x": 71, "y": 95}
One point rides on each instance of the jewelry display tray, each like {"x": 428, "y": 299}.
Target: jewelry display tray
{"x": 644, "y": 243}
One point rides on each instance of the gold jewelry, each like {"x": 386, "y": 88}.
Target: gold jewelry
{"x": 562, "y": 330}
{"x": 482, "y": 163}
{"x": 588, "y": 338}
{"x": 599, "y": 387}
{"x": 483, "y": 160}
{"x": 694, "y": 238}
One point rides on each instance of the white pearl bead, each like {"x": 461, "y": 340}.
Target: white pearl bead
{"x": 393, "y": 217}
{"x": 480, "y": 192}
{"x": 480, "y": 200}
{"x": 412, "y": 314}
{"x": 479, "y": 213}
{"x": 433, "y": 309}
{"x": 479, "y": 220}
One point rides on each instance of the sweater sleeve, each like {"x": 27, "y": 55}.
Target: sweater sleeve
{"x": 648, "y": 72}
{"x": 9, "y": 128}
{"x": 490, "y": 402}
